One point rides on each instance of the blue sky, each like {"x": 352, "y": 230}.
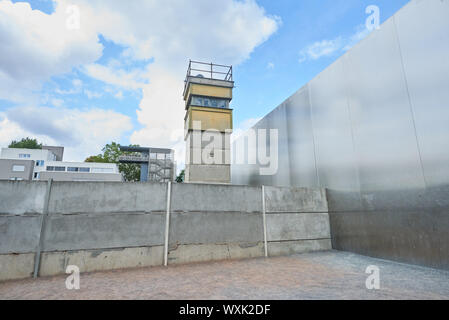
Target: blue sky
{"x": 118, "y": 77}
{"x": 261, "y": 89}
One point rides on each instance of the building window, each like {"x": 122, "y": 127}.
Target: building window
{"x": 77, "y": 169}
{"x": 36, "y": 175}
{"x": 60, "y": 169}
{"x": 50, "y": 168}
{"x": 18, "y": 168}
{"x": 24, "y": 156}
{"x": 40, "y": 163}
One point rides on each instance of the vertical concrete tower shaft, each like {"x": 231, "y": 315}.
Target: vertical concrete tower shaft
{"x": 208, "y": 122}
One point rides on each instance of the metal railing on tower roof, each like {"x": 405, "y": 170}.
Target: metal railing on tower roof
{"x": 209, "y": 71}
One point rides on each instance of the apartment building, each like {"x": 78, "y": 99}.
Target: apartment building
{"x": 47, "y": 163}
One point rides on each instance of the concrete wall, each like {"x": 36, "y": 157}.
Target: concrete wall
{"x": 80, "y": 176}
{"x": 104, "y": 225}
{"x": 297, "y": 220}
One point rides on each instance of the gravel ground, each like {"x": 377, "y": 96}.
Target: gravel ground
{"x": 323, "y": 275}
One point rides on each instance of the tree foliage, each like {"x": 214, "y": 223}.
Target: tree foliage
{"x": 111, "y": 154}
{"x": 25, "y": 143}
{"x": 181, "y": 177}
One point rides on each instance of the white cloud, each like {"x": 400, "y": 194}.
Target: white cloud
{"x": 92, "y": 94}
{"x": 57, "y": 102}
{"x": 119, "y": 95}
{"x": 320, "y": 49}
{"x": 173, "y": 31}
{"x": 131, "y": 80}
{"x": 77, "y": 83}
{"x": 326, "y": 48}
{"x": 36, "y": 46}
{"x": 161, "y": 31}
{"x": 82, "y": 132}
{"x": 270, "y": 65}
{"x": 161, "y": 110}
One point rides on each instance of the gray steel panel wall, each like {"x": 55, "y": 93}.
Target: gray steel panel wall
{"x": 373, "y": 128}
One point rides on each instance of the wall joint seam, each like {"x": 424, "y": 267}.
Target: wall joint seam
{"x": 37, "y": 257}
{"x": 264, "y": 215}
{"x": 167, "y": 224}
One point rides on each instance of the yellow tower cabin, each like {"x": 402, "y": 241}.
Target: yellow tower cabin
{"x": 208, "y": 122}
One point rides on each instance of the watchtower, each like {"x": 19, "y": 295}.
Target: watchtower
{"x": 208, "y": 122}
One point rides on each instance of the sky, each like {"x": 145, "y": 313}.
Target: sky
{"x": 83, "y": 73}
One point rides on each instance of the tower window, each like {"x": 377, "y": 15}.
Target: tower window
{"x": 210, "y": 102}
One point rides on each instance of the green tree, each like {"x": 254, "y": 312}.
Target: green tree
{"x": 181, "y": 177}
{"x": 25, "y": 143}
{"x": 111, "y": 154}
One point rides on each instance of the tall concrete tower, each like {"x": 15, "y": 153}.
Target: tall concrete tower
{"x": 208, "y": 122}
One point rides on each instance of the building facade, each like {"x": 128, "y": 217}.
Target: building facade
{"x": 156, "y": 164}
{"x": 16, "y": 170}
{"x": 46, "y": 163}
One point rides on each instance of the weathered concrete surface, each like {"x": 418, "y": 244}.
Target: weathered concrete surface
{"x": 100, "y": 197}
{"x": 325, "y": 275}
{"x": 213, "y": 156}
{"x": 298, "y": 226}
{"x": 208, "y": 173}
{"x": 100, "y": 231}
{"x": 80, "y": 176}
{"x": 117, "y": 220}
{"x": 217, "y": 228}
{"x": 16, "y": 266}
{"x": 286, "y": 248}
{"x": 22, "y": 197}
{"x": 213, "y": 252}
{"x": 19, "y": 234}
{"x": 54, "y": 263}
{"x": 295, "y": 200}
{"x": 220, "y": 198}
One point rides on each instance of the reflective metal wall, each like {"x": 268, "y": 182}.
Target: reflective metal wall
{"x": 374, "y": 129}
